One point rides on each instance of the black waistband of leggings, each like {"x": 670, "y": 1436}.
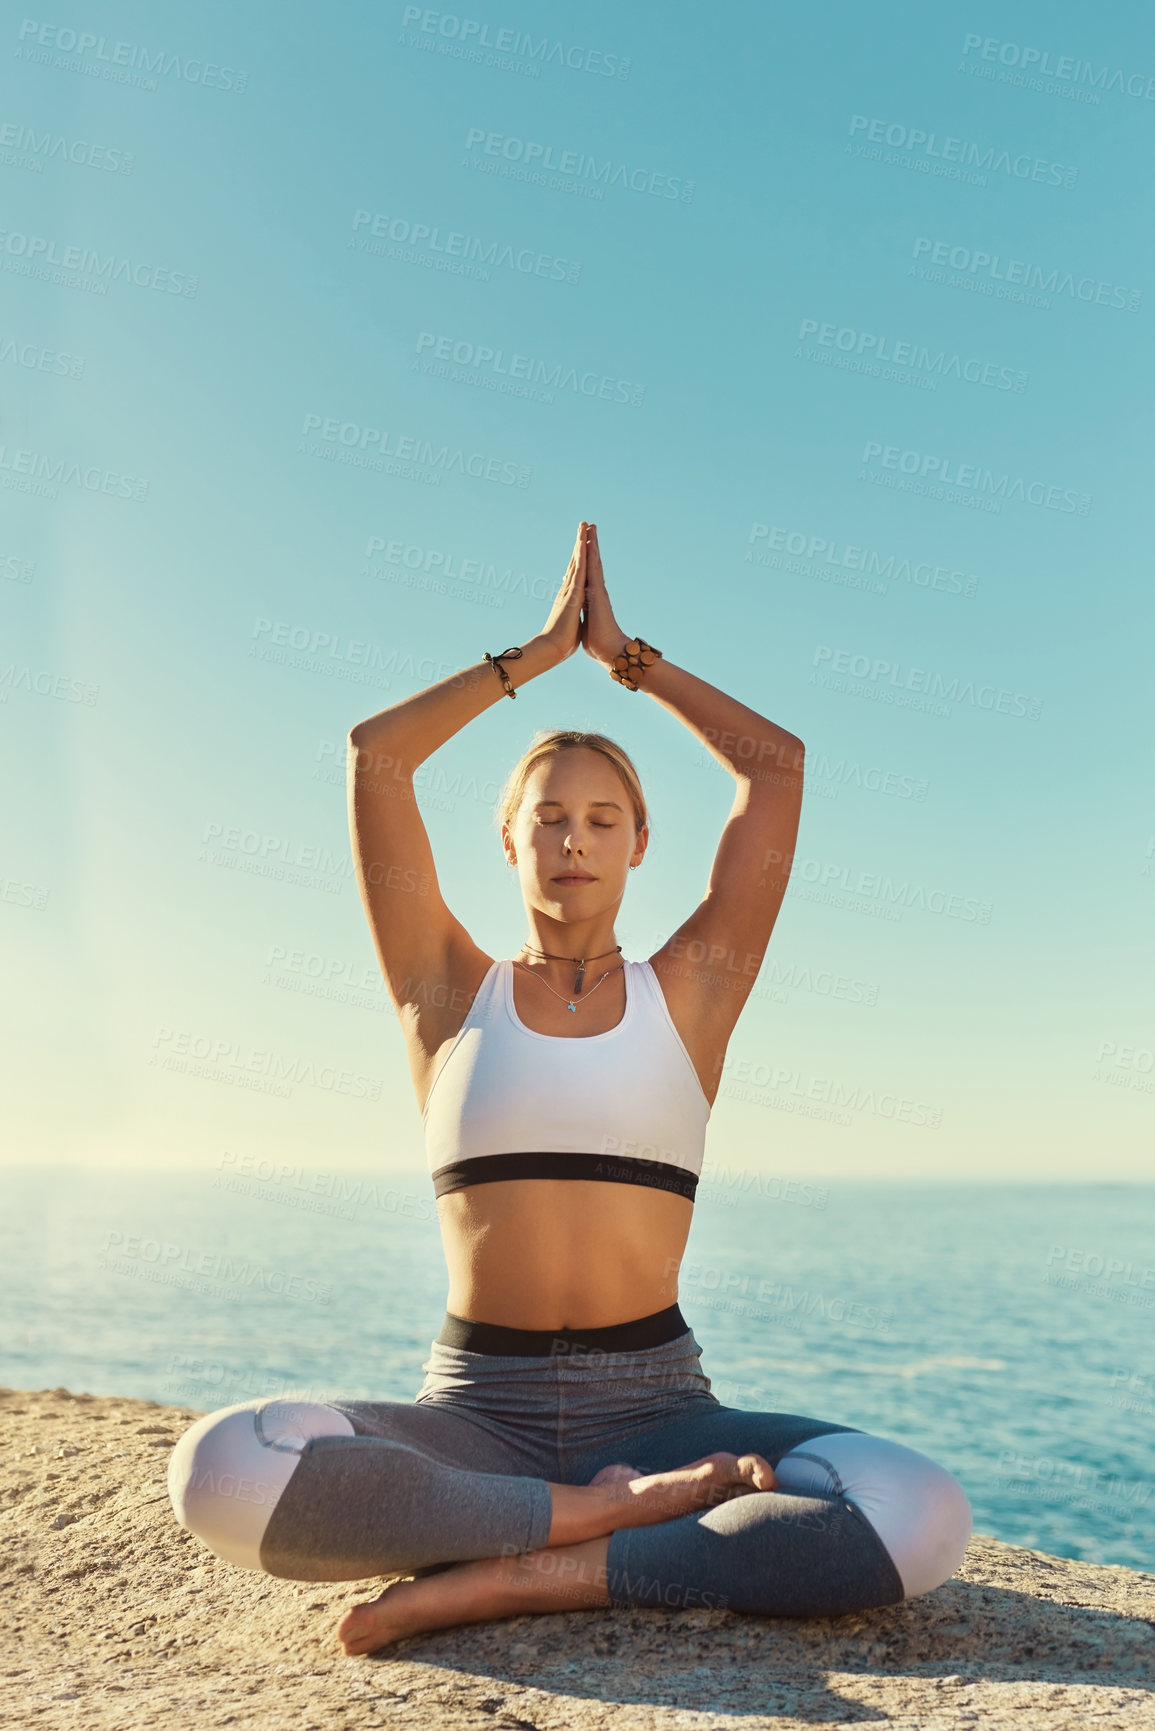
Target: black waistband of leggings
{"x": 496, "y": 1338}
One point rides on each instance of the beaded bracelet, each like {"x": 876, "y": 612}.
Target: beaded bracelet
{"x": 635, "y": 656}
{"x": 495, "y": 661}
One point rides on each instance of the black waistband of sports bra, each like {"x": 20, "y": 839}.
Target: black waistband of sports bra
{"x": 603, "y": 1168}
{"x": 496, "y": 1338}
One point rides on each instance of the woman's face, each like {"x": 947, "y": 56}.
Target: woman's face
{"x": 575, "y": 817}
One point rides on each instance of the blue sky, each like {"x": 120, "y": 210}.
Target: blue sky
{"x": 837, "y": 324}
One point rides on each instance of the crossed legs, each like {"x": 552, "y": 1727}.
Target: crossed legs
{"x": 841, "y": 1521}
{"x": 851, "y": 1521}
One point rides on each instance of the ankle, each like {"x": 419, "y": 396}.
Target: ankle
{"x": 583, "y": 1512}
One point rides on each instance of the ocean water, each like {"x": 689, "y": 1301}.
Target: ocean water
{"x": 1005, "y": 1330}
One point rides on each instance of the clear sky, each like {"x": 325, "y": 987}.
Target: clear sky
{"x": 322, "y": 330}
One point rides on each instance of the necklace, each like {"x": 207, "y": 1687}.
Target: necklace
{"x": 581, "y": 960}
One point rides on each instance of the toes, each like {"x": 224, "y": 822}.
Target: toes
{"x": 356, "y": 1631}
{"x": 351, "y": 1627}
{"x": 738, "y": 1475}
{"x": 756, "y": 1473}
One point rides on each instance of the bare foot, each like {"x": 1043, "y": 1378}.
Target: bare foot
{"x": 381, "y": 1621}
{"x": 620, "y": 1497}
{"x": 570, "y": 1578}
{"x": 713, "y": 1479}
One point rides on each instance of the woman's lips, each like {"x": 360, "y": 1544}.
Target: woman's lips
{"x": 573, "y": 879}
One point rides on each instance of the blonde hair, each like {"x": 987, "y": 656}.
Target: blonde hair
{"x": 548, "y": 743}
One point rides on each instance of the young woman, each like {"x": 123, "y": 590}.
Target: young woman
{"x": 565, "y": 1449}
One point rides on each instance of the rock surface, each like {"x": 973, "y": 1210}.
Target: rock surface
{"x": 115, "y": 1616}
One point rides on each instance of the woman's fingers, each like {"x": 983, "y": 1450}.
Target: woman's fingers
{"x": 563, "y": 627}
{"x": 593, "y": 554}
{"x": 579, "y": 561}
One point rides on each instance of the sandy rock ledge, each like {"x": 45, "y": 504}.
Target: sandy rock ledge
{"x": 114, "y": 1616}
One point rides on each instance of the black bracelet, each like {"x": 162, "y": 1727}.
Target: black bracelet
{"x": 495, "y": 661}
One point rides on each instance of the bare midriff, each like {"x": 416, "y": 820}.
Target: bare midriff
{"x": 562, "y": 1252}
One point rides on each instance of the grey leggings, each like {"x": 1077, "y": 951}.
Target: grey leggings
{"x": 341, "y": 1491}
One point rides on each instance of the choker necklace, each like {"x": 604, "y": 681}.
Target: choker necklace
{"x": 581, "y": 961}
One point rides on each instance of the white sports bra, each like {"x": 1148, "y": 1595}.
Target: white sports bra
{"x": 623, "y": 1107}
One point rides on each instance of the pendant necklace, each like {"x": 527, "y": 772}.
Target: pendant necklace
{"x": 581, "y": 962}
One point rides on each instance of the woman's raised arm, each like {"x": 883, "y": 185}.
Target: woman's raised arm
{"x": 722, "y": 943}
{"x": 413, "y": 930}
